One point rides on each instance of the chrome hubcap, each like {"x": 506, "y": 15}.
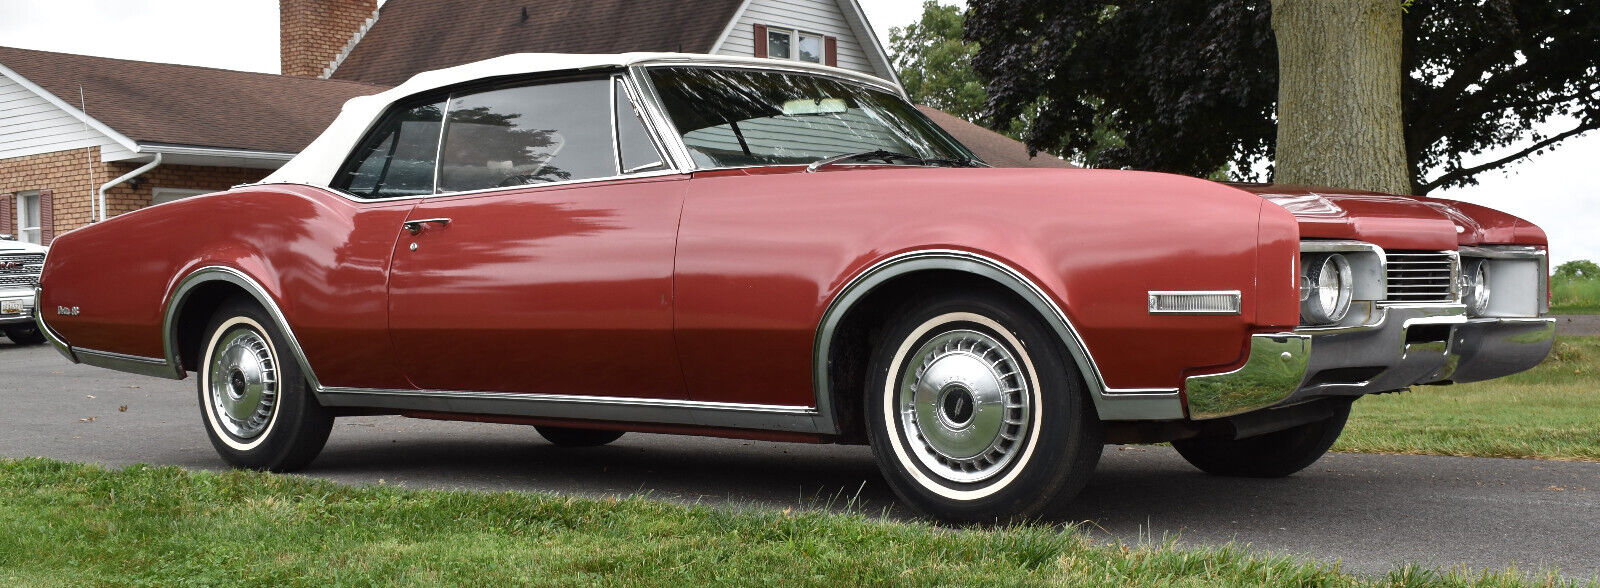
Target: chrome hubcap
{"x": 964, "y": 405}
{"x": 243, "y": 383}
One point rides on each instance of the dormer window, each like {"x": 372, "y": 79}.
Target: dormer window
{"x": 784, "y": 43}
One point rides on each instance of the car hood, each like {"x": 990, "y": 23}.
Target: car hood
{"x": 1396, "y": 222}
{"x": 19, "y": 247}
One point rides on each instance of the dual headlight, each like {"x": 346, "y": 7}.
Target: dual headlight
{"x": 1326, "y": 287}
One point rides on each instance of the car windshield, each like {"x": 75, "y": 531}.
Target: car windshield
{"x": 739, "y": 118}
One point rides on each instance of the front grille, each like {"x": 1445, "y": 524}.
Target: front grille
{"x": 20, "y": 269}
{"x": 18, "y": 281}
{"x": 1421, "y": 276}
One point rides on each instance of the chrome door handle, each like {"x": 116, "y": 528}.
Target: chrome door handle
{"x": 415, "y": 226}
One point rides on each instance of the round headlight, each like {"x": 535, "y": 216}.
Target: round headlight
{"x": 1329, "y": 286}
{"x": 1476, "y": 293}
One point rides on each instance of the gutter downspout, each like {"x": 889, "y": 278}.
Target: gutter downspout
{"x": 125, "y": 177}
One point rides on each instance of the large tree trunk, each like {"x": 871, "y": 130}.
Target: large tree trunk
{"x": 1339, "y": 116}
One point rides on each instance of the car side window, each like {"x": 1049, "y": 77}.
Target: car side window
{"x": 634, "y": 148}
{"x": 397, "y": 158}
{"x": 528, "y": 135}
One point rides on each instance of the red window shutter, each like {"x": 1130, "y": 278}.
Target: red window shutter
{"x": 8, "y": 214}
{"x": 830, "y": 49}
{"x": 47, "y": 218}
{"x": 761, "y": 40}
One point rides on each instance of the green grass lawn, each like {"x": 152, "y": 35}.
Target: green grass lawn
{"x": 68, "y": 524}
{"x": 1549, "y": 412}
{"x": 1574, "y": 295}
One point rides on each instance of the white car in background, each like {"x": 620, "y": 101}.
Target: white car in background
{"x": 20, "y": 264}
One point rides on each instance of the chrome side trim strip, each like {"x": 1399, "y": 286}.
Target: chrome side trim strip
{"x": 134, "y": 364}
{"x": 50, "y": 334}
{"x": 1276, "y": 366}
{"x": 238, "y": 278}
{"x": 1111, "y": 404}
{"x": 801, "y": 419}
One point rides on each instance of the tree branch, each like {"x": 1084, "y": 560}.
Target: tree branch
{"x": 1467, "y": 172}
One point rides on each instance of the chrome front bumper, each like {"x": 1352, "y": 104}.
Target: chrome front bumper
{"x": 1403, "y": 345}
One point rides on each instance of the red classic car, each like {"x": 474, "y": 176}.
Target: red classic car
{"x": 593, "y": 244}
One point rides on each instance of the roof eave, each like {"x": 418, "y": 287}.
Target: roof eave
{"x": 77, "y": 113}
{"x": 207, "y": 156}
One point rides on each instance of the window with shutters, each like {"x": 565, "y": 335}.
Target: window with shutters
{"x": 28, "y": 217}
{"x": 797, "y": 45}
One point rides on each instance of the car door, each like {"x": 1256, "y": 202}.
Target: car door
{"x": 540, "y": 266}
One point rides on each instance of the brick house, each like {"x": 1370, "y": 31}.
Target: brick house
{"x": 86, "y": 138}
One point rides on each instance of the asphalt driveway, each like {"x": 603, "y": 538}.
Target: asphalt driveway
{"x": 1372, "y": 512}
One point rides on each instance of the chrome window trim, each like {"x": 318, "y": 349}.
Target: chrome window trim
{"x": 657, "y": 121}
{"x": 438, "y": 144}
{"x": 356, "y": 199}
{"x": 1110, "y": 403}
{"x": 637, "y": 104}
{"x": 616, "y": 135}
{"x": 673, "y": 167}
{"x": 669, "y": 130}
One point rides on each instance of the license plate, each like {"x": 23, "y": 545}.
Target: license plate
{"x": 13, "y": 306}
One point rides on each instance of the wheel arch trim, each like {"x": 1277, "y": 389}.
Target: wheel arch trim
{"x": 218, "y": 273}
{"x": 1110, "y": 403}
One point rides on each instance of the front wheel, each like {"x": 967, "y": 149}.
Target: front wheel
{"x": 1273, "y": 455}
{"x": 976, "y": 413}
{"x": 258, "y": 410}
{"x": 28, "y": 335}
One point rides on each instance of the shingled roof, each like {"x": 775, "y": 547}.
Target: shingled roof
{"x": 411, "y": 36}
{"x": 193, "y": 106}
{"x": 996, "y": 149}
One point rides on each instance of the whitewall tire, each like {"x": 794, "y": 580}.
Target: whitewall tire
{"x": 976, "y": 414}
{"x": 255, "y": 404}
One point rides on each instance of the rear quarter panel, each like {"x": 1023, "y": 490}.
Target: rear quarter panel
{"x": 322, "y": 258}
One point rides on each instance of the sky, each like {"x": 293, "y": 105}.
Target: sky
{"x": 1555, "y": 190}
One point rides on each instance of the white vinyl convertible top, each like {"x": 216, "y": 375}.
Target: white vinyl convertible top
{"x": 317, "y": 164}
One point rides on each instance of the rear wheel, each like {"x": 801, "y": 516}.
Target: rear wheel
{"x": 976, "y": 413}
{"x": 1273, "y": 455}
{"x": 570, "y": 437}
{"x": 28, "y": 335}
{"x": 257, "y": 408}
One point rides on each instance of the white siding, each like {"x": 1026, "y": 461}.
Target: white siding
{"x": 811, "y": 16}
{"x": 30, "y": 125}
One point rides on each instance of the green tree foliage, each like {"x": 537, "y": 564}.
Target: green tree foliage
{"x": 1581, "y": 269}
{"x": 1192, "y": 85}
{"x": 934, "y": 62}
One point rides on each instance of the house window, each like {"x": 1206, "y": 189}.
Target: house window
{"x": 28, "y": 217}
{"x": 796, "y": 45}
{"x": 165, "y": 195}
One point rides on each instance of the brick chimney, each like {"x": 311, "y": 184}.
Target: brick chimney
{"x": 313, "y": 33}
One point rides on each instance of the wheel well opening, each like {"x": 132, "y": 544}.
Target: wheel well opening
{"x": 194, "y": 313}
{"x": 862, "y": 324}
